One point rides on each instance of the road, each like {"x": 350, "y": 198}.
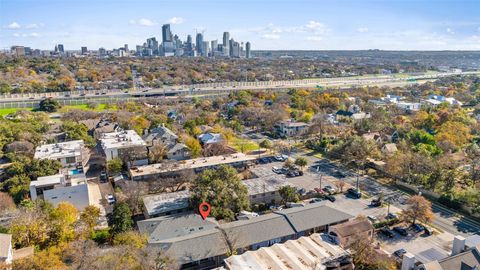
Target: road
{"x": 213, "y": 88}
{"x": 444, "y": 218}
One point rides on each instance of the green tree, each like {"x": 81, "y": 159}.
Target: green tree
{"x": 301, "y": 162}
{"x": 89, "y": 218}
{"x": 130, "y": 238}
{"x": 76, "y": 131}
{"x": 223, "y": 190}
{"x": 288, "y": 194}
{"x": 114, "y": 166}
{"x": 120, "y": 220}
{"x": 49, "y": 105}
{"x": 267, "y": 144}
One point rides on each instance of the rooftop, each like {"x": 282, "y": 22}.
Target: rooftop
{"x": 302, "y": 254}
{"x": 165, "y": 202}
{"x": 5, "y": 242}
{"x": 121, "y": 139}
{"x": 190, "y": 164}
{"x": 59, "y": 150}
{"x": 264, "y": 184}
{"x": 352, "y": 227}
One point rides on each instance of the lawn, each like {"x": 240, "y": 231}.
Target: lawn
{"x": 7, "y": 111}
{"x": 243, "y": 145}
{"x": 100, "y": 107}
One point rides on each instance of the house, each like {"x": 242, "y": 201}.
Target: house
{"x": 179, "y": 151}
{"x": 409, "y": 106}
{"x": 96, "y": 127}
{"x": 207, "y": 138}
{"x": 461, "y": 257}
{"x": 126, "y": 145}
{"x": 59, "y": 188}
{"x": 291, "y": 128}
{"x": 347, "y": 233}
{"x": 265, "y": 189}
{"x": 166, "y": 203}
{"x": 154, "y": 171}
{"x": 303, "y": 253}
{"x": 342, "y": 115}
{"x": 161, "y": 135}
{"x": 373, "y": 136}
{"x": 6, "y": 249}
{"x": 435, "y": 100}
{"x": 203, "y": 244}
{"x": 72, "y": 155}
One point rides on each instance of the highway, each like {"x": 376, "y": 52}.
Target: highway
{"x": 227, "y": 87}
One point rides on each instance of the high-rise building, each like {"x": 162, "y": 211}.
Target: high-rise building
{"x": 166, "y": 33}
{"x": 152, "y": 44}
{"x": 18, "y": 50}
{"x": 226, "y": 43}
{"x": 248, "y": 53}
{"x": 125, "y": 47}
{"x": 199, "y": 43}
{"x": 214, "y": 47}
{"x": 102, "y": 52}
{"x": 205, "y": 49}
{"x": 84, "y": 50}
{"x": 235, "y": 49}
{"x": 59, "y": 48}
{"x": 230, "y": 46}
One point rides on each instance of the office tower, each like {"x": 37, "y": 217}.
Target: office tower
{"x": 59, "y": 48}
{"x": 125, "y": 47}
{"x": 139, "y": 50}
{"x": 28, "y": 51}
{"x": 18, "y": 50}
{"x": 102, "y": 52}
{"x": 205, "y": 49}
{"x": 166, "y": 33}
{"x": 235, "y": 52}
{"x": 84, "y": 50}
{"x": 199, "y": 43}
{"x": 226, "y": 43}
{"x": 248, "y": 53}
{"x": 214, "y": 47}
{"x": 152, "y": 44}
{"x": 230, "y": 46}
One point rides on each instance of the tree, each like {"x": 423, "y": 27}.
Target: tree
{"x": 267, "y": 144}
{"x": 288, "y": 194}
{"x": 89, "y": 218}
{"x": 6, "y": 203}
{"x": 418, "y": 208}
{"x": 62, "y": 219}
{"x": 49, "y": 259}
{"x": 223, "y": 190}
{"x": 130, "y": 238}
{"x": 120, "y": 220}
{"x": 157, "y": 152}
{"x": 114, "y": 166}
{"x": 301, "y": 162}
{"x": 49, "y": 105}
{"x": 77, "y": 131}
{"x": 193, "y": 145}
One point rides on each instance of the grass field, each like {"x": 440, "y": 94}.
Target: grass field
{"x": 242, "y": 145}
{"x": 7, "y": 111}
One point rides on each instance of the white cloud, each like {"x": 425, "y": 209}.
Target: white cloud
{"x": 362, "y": 29}
{"x": 32, "y": 26}
{"x": 271, "y": 36}
{"x": 13, "y": 25}
{"x": 450, "y": 31}
{"x": 176, "y": 20}
{"x": 143, "y": 22}
{"x": 314, "y": 38}
{"x": 26, "y": 35}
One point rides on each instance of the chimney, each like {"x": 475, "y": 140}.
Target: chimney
{"x": 458, "y": 245}
{"x": 408, "y": 261}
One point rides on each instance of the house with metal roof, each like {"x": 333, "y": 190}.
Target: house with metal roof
{"x": 304, "y": 253}
{"x": 348, "y": 232}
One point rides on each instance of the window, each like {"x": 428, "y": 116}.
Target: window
{"x": 70, "y": 160}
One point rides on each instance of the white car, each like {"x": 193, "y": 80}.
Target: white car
{"x": 110, "y": 198}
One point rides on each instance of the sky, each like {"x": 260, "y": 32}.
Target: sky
{"x": 267, "y": 24}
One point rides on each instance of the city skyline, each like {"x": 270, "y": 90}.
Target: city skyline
{"x": 269, "y": 25}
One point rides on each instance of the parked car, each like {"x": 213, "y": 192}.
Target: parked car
{"x": 277, "y": 170}
{"x": 428, "y": 230}
{"x": 329, "y": 189}
{"x": 318, "y": 190}
{"x": 293, "y": 173}
{"x": 280, "y": 157}
{"x": 330, "y": 198}
{"x": 392, "y": 216}
{"x": 339, "y": 174}
{"x": 103, "y": 177}
{"x": 354, "y": 193}
{"x": 376, "y": 203}
{"x": 110, "y": 198}
{"x": 315, "y": 200}
{"x": 373, "y": 219}
{"x": 387, "y": 232}
{"x": 399, "y": 253}
{"x": 417, "y": 228}
{"x": 293, "y": 204}
{"x": 400, "y": 231}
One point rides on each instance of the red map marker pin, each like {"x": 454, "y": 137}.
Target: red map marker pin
{"x": 204, "y": 209}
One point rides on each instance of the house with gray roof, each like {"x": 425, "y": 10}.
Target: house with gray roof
{"x": 207, "y": 138}
{"x": 161, "y": 135}
{"x": 196, "y": 243}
